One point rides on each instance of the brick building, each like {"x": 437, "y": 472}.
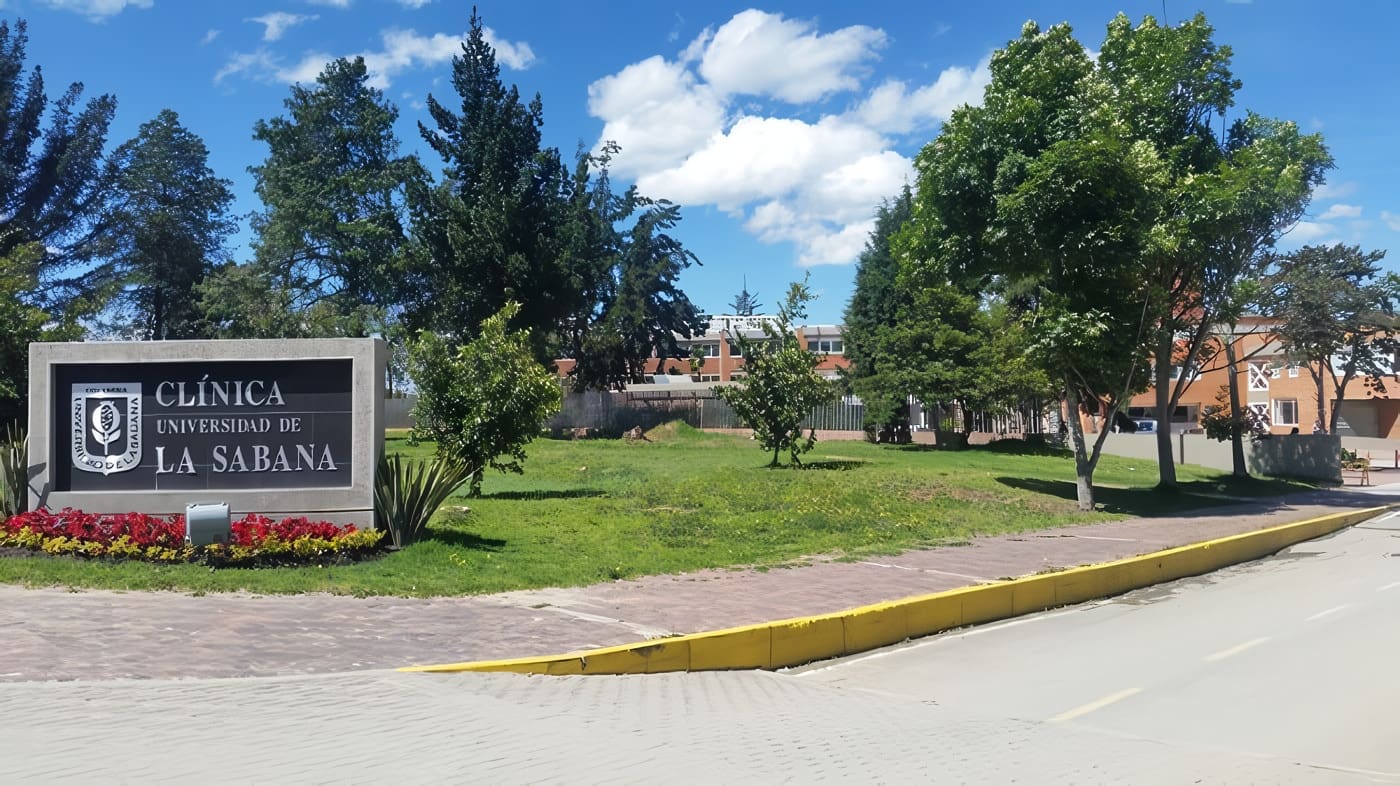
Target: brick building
{"x": 722, "y": 360}
{"x": 1282, "y": 391}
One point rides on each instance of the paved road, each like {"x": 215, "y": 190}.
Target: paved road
{"x": 1294, "y": 657}
{"x": 1270, "y": 673}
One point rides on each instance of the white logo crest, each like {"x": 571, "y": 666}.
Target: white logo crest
{"x": 106, "y": 426}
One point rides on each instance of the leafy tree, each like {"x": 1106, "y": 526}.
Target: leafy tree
{"x": 1226, "y": 220}
{"x": 334, "y": 189}
{"x": 488, "y": 233}
{"x": 1336, "y": 313}
{"x": 484, "y": 400}
{"x": 781, "y": 384}
{"x": 170, "y": 220}
{"x": 53, "y": 184}
{"x": 1041, "y": 198}
{"x": 24, "y": 323}
{"x": 745, "y": 304}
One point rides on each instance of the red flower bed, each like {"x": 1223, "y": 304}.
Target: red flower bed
{"x": 102, "y": 528}
{"x": 253, "y": 539}
{"x": 253, "y": 529}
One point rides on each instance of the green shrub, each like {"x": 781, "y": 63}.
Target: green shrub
{"x": 484, "y": 400}
{"x": 14, "y": 471}
{"x": 408, "y": 493}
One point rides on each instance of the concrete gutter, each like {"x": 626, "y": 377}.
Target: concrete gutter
{"x": 792, "y": 642}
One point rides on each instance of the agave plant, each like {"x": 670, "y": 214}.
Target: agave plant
{"x": 408, "y": 493}
{"x": 14, "y": 469}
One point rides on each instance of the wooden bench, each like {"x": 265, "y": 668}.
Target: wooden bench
{"x": 1358, "y": 470}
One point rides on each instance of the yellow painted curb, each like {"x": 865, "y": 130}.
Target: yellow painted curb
{"x": 790, "y": 642}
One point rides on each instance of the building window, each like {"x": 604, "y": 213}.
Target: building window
{"x": 734, "y": 350}
{"x": 709, "y": 377}
{"x": 825, "y": 346}
{"x": 709, "y": 350}
{"x": 1192, "y": 374}
{"x": 1293, "y": 370}
{"x": 1285, "y": 411}
{"x": 1258, "y": 376}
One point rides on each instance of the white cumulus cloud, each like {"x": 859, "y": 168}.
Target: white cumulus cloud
{"x": 1328, "y": 191}
{"x": 278, "y": 22}
{"x": 757, "y": 53}
{"x": 893, "y": 107}
{"x": 1391, "y": 220}
{"x": 657, "y": 111}
{"x": 701, "y": 129}
{"x": 97, "y": 10}
{"x": 402, "y": 50}
{"x": 1340, "y": 211}
{"x": 414, "y": 4}
{"x": 331, "y": 3}
{"x": 1308, "y": 231}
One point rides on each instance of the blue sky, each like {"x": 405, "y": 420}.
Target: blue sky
{"x": 778, "y": 127}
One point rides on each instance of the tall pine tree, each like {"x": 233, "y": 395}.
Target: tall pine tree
{"x": 873, "y": 311}
{"x": 488, "y": 233}
{"x": 335, "y": 186}
{"x": 53, "y": 187}
{"x": 170, "y": 222}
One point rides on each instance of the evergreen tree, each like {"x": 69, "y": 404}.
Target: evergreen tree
{"x": 53, "y": 184}
{"x": 488, "y": 232}
{"x": 873, "y": 311}
{"x": 634, "y": 310}
{"x": 169, "y": 223}
{"x": 744, "y": 303}
{"x": 334, "y": 188}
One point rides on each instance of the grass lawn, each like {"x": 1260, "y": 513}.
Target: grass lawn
{"x": 595, "y": 510}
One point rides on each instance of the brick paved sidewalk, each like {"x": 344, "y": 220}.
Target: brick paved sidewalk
{"x": 57, "y": 634}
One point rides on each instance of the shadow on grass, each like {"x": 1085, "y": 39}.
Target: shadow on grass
{"x": 840, "y": 465}
{"x": 467, "y": 540}
{"x": 545, "y": 494}
{"x": 1021, "y": 447}
{"x": 1144, "y": 502}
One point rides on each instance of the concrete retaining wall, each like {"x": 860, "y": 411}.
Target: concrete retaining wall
{"x": 1304, "y": 456}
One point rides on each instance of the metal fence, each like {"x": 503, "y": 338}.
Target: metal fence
{"x": 617, "y": 412}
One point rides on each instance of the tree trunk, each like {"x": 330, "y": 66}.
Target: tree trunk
{"x": 1084, "y": 486}
{"x": 1337, "y": 406}
{"x": 1161, "y": 383}
{"x": 1237, "y": 432}
{"x": 1083, "y": 467}
{"x": 1321, "y": 395}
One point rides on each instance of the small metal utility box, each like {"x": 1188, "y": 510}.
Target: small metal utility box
{"x": 206, "y": 523}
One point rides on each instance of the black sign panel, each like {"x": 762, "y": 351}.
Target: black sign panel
{"x": 202, "y": 425}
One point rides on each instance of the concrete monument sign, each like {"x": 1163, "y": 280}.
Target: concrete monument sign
{"x": 286, "y": 427}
